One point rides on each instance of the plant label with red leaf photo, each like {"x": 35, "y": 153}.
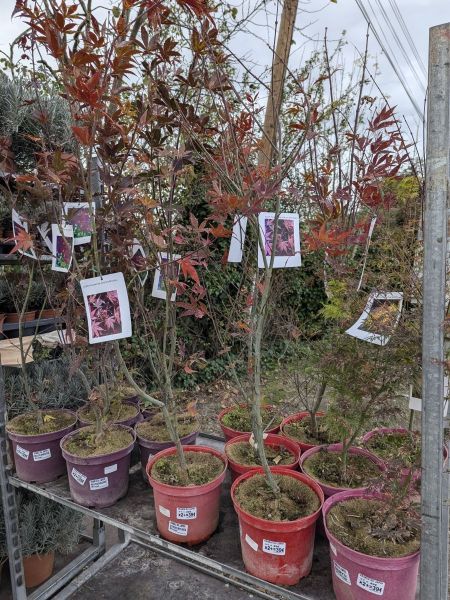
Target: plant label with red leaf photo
{"x": 287, "y": 240}
{"x": 21, "y": 236}
{"x": 62, "y": 241}
{"x": 237, "y": 239}
{"x": 78, "y": 214}
{"x": 138, "y": 260}
{"x": 107, "y": 308}
{"x": 379, "y": 318}
{"x": 167, "y": 269}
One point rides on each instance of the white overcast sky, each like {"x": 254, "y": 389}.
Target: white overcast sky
{"x": 313, "y": 17}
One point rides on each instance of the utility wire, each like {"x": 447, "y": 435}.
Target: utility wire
{"x": 408, "y": 36}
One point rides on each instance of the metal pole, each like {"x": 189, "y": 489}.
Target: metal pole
{"x": 433, "y": 571}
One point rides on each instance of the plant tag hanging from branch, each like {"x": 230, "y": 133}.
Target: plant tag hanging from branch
{"x": 287, "y": 240}
{"x": 379, "y": 318}
{"x": 237, "y": 239}
{"x": 46, "y": 234}
{"x": 366, "y": 252}
{"x": 21, "y": 236}
{"x": 62, "y": 242}
{"x": 168, "y": 269}
{"x": 416, "y": 403}
{"x": 138, "y": 260}
{"x": 78, "y": 214}
{"x": 107, "y": 308}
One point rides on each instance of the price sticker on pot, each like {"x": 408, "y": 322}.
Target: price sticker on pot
{"x": 370, "y": 585}
{"x": 342, "y": 573}
{"x": 42, "y": 455}
{"x": 187, "y": 513}
{"x": 251, "y": 542}
{"x": 164, "y": 511}
{"x": 22, "y": 452}
{"x": 79, "y": 477}
{"x": 98, "y": 484}
{"x": 178, "y": 528}
{"x": 110, "y": 469}
{"x": 277, "y": 548}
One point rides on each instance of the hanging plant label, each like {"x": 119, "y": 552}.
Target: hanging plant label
{"x": 98, "y": 484}
{"x": 251, "y": 542}
{"x": 110, "y": 469}
{"x": 277, "y": 548}
{"x": 178, "y": 528}
{"x": 370, "y": 585}
{"x": 164, "y": 511}
{"x": 42, "y": 455}
{"x": 22, "y": 452}
{"x": 79, "y": 477}
{"x": 187, "y": 513}
{"x": 342, "y": 573}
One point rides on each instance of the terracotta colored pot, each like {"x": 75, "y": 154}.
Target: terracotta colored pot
{"x": 38, "y": 568}
{"x": 49, "y": 313}
{"x": 292, "y": 419}
{"x": 272, "y": 440}
{"x": 358, "y": 576}
{"x": 330, "y": 490}
{"x": 230, "y": 433}
{"x": 15, "y": 317}
{"x": 187, "y": 514}
{"x": 277, "y": 551}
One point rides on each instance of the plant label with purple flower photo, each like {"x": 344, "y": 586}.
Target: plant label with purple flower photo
{"x": 107, "y": 308}
{"x": 379, "y": 318}
{"x": 237, "y": 239}
{"x": 139, "y": 261}
{"x": 63, "y": 247}
{"x": 287, "y": 240}
{"x": 167, "y": 269}
{"x": 21, "y": 236}
{"x": 78, "y": 214}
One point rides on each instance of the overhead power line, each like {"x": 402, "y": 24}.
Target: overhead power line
{"x": 408, "y": 36}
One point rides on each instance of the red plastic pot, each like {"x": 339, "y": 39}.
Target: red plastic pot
{"x": 130, "y": 422}
{"x": 98, "y": 481}
{"x": 148, "y": 448}
{"x": 292, "y": 419}
{"x": 189, "y": 514}
{"x": 230, "y": 433}
{"x": 358, "y": 576}
{"x": 271, "y": 440}
{"x": 277, "y": 551}
{"x": 38, "y": 458}
{"x": 329, "y": 490}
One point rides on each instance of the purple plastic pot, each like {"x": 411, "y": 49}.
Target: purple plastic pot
{"x": 98, "y": 481}
{"x": 38, "y": 458}
{"x": 148, "y": 448}
{"x": 358, "y": 576}
{"x": 329, "y": 490}
{"x": 130, "y": 422}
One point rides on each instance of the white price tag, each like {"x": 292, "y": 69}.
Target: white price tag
{"x": 251, "y": 542}
{"x": 333, "y": 549}
{"x": 110, "y": 469}
{"x": 79, "y": 477}
{"x": 98, "y": 484}
{"x": 164, "y": 511}
{"x": 277, "y": 548}
{"x": 187, "y": 513}
{"x": 342, "y": 573}
{"x": 22, "y": 452}
{"x": 42, "y": 455}
{"x": 370, "y": 585}
{"x": 178, "y": 528}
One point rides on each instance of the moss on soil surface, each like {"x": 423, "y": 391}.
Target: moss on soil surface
{"x": 374, "y": 528}
{"x": 202, "y": 468}
{"x": 300, "y": 431}
{"x": 119, "y": 411}
{"x": 244, "y": 454}
{"x": 405, "y": 447}
{"x": 297, "y": 499}
{"x": 239, "y": 418}
{"x": 27, "y": 424}
{"x": 155, "y": 429}
{"x": 326, "y": 467}
{"x": 86, "y": 443}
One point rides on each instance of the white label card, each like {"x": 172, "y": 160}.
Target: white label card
{"x": 342, "y": 573}
{"x": 164, "y": 511}
{"x": 370, "y": 585}
{"x": 42, "y": 455}
{"x": 22, "y": 452}
{"x": 251, "y": 542}
{"x": 333, "y": 549}
{"x": 110, "y": 469}
{"x": 187, "y": 513}
{"x": 98, "y": 484}
{"x": 277, "y": 548}
{"x": 178, "y": 528}
{"x": 79, "y": 477}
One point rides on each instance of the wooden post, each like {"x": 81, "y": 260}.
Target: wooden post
{"x": 279, "y": 67}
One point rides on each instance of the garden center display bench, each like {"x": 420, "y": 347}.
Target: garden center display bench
{"x": 219, "y": 557}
